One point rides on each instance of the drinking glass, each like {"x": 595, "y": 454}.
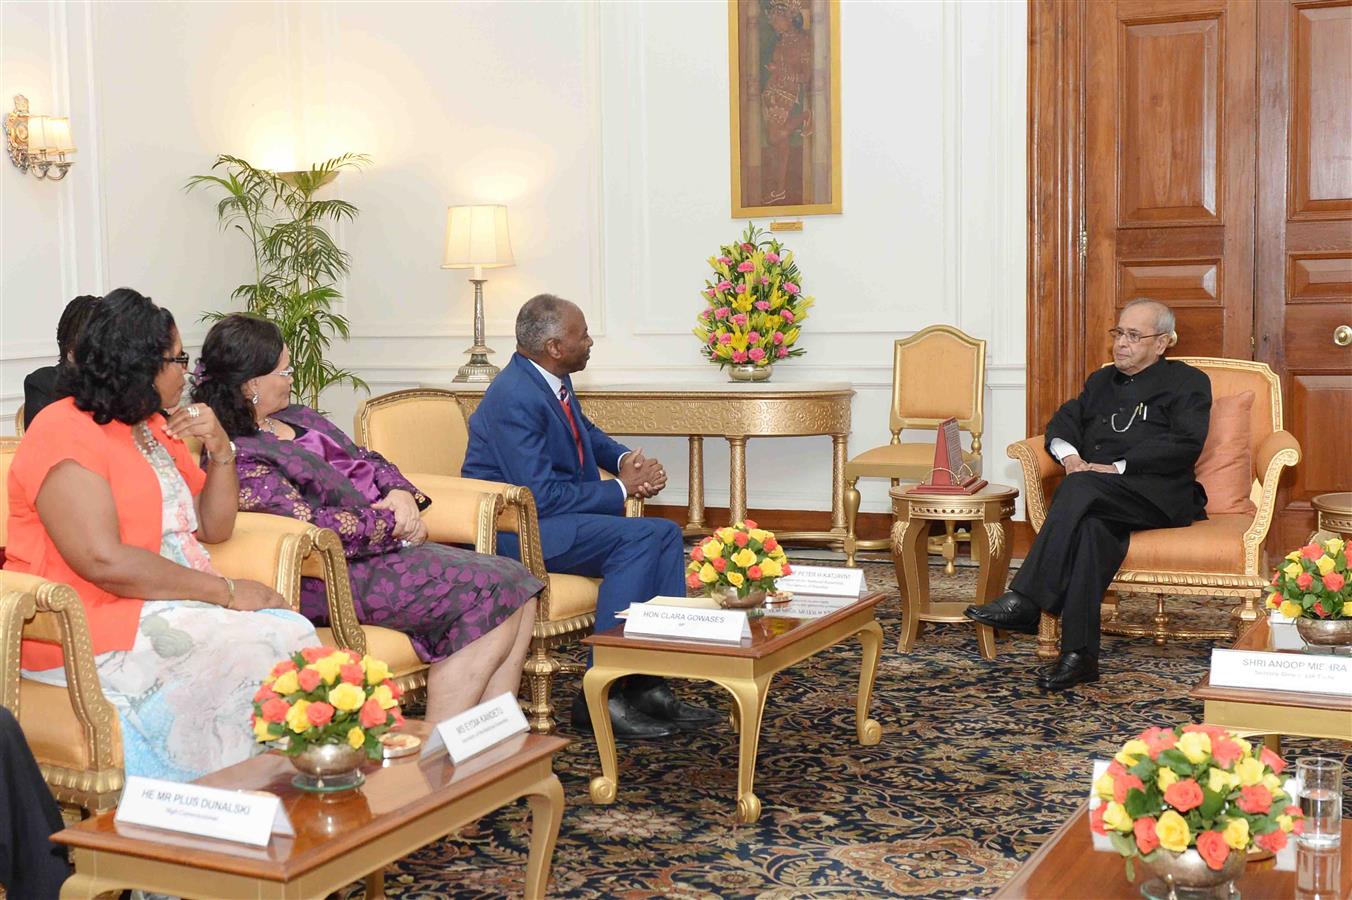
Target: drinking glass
{"x": 1321, "y": 800}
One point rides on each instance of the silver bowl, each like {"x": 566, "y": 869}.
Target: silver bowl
{"x": 727, "y": 597}
{"x": 1189, "y": 870}
{"x": 1325, "y": 632}
{"x": 329, "y": 767}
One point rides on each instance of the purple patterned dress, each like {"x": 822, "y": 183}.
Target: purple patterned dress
{"x": 442, "y": 597}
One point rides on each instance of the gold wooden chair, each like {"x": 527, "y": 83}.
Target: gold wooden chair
{"x": 74, "y": 731}
{"x": 936, "y": 373}
{"x": 18, "y": 421}
{"x": 423, "y": 431}
{"x": 1220, "y": 556}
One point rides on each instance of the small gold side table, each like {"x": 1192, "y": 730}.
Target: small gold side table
{"x": 1334, "y": 514}
{"x": 987, "y": 510}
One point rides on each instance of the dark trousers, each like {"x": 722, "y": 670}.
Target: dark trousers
{"x": 1079, "y": 550}
{"x": 638, "y": 559}
{"x": 31, "y": 866}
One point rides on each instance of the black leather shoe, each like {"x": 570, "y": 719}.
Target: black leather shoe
{"x": 653, "y": 696}
{"x": 626, "y": 720}
{"x": 1075, "y": 667}
{"x": 1011, "y": 611}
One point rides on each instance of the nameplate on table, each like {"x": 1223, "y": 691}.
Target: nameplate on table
{"x": 808, "y": 607}
{"x": 475, "y": 730}
{"x": 244, "y": 817}
{"x": 825, "y": 581}
{"x": 1265, "y": 671}
{"x": 717, "y": 626}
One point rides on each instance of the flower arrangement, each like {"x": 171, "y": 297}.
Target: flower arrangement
{"x": 1197, "y": 786}
{"x": 1313, "y": 583}
{"x": 325, "y": 696}
{"x": 743, "y": 556}
{"x": 755, "y": 303}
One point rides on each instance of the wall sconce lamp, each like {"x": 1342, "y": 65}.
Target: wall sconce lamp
{"x": 476, "y": 238}
{"x": 38, "y": 144}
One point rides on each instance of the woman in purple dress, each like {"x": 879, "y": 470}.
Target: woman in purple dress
{"x": 467, "y": 614}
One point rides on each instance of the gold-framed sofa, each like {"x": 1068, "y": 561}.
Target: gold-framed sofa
{"x": 1221, "y": 556}
{"x": 424, "y": 432}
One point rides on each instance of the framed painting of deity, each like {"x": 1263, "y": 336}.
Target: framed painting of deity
{"x": 784, "y": 74}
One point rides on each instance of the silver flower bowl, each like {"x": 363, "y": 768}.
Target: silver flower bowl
{"x": 1325, "y": 632}
{"x": 1185, "y": 873}
{"x": 727, "y": 597}
{"x": 329, "y": 767}
{"x": 750, "y": 372}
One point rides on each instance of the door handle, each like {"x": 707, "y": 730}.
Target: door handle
{"x": 1342, "y": 336}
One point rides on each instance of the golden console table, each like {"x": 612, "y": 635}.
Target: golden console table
{"x": 732, "y": 411}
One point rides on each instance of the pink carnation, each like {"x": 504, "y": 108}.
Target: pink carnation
{"x": 739, "y": 320}
{"x": 782, "y": 352}
{"x": 763, "y": 305}
{"x": 791, "y": 287}
{"x": 722, "y": 312}
{"x": 724, "y": 285}
{"x": 756, "y": 354}
{"x": 725, "y": 260}
{"x": 749, "y": 248}
{"x": 753, "y": 337}
{"x": 786, "y": 314}
{"x": 771, "y": 257}
{"x": 778, "y": 338}
{"x": 741, "y": 289}
{"x": 725, "y": 338}
{"x": 765, "y": 279}
{"x": 747, "y": 266}
{"x": 739, "y": 356}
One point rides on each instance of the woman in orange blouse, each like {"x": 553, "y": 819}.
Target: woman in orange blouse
{"x": 105, "y": 496}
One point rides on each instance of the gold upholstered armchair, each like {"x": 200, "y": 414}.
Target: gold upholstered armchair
{"x": 937, "y": 373}
{"x": 74, "y": 731}
{"x": 1220, "y": 556}
{"x": 423, "y": 431}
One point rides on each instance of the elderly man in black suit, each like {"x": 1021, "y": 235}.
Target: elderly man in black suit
{"x": 1129, "y": 444}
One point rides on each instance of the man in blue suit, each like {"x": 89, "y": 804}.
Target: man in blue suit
{"x": 530, "y": 430}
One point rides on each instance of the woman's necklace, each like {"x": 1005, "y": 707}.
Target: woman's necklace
{"x": 268, "y": 425}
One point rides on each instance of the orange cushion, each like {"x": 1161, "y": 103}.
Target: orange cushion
{"x": 1214, "y": 546}
{"x": 909, "y": 462}
{"x": 571, "y": 595}
{"x": 1225, "y": 467}
{"x": 51, "y": 728}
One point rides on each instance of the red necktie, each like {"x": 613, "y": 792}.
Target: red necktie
{"x": 572, "y": 422}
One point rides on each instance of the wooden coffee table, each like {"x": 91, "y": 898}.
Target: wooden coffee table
{"x": 340, "y": 838}
{"x": 777, "y": 642}
{"x": 988, "y": 510}
{"x": 1273, "y": 713}
{"x": 1067, "y": 867}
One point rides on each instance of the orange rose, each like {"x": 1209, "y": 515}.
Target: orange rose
{"x": 372, "y": 714}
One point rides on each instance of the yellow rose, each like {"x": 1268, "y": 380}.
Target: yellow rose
{"x": 1236, "y": 834}
{"x": 736, "y": 579}
{"x": 328, "y": 666}
{"x": 376, "y": 670}
{"x": 708, "y": 574}
{"x": 1292, "y": 569}
{"x": 759, "y": 535}
{"x": 1221, "y": 781}
{"x": 1332, "y": 545}
{"x": 771, "y": 568}
{"x": 1131, "y": 751}
{"x": 713, "y": 550}
{"x": 1285, "y": 823}
{"x": 1115, "y": 817}
{"x": 746, "y": 557}
{"x": 1195, "y": 745}
{"x": 286, "y": 683}
{"x": 1273, "y": 602}
{"x": 1173, "y": 831}
{"x": 347, "y": 697}
{"x": 356, "y": 738}
{"x": 295, "y": 717}
{"x": 261, "y": 727}
{"x": 1246, "y": 748}
{"x": 384, "y": 696}
{"x": 1324, "y": 564}
{"x": 1250, "y": 771}
{"x": 1166, "y": 777}
{"x": 725, "y": 535}
{"x": 1272, "y": 783}
{"x": 1291, "y": 610}
{"x": 1104, "y": 786}
{"x": 1294, "y": 555}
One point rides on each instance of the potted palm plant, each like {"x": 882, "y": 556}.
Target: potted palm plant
{"x": 297, "y": 264}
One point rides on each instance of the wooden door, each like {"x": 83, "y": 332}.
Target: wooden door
{"x": 1170, "y": 115}
{"x": 1304, "y": 252}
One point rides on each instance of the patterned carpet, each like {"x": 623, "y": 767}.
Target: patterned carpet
{"x": 975, "y": 769}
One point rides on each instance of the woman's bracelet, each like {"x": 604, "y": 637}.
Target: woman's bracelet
{"x": 228, "y": 460}
{"x": 230, "y": 588}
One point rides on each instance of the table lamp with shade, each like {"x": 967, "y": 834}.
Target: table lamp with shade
{"x": 476, "y": 238}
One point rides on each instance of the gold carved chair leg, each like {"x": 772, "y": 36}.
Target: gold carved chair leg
{"x": 851, "y": 516}
{"x": 1048, "y": 637}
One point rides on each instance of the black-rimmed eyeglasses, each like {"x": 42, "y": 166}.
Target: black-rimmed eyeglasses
{"x": 1133, "y": 337}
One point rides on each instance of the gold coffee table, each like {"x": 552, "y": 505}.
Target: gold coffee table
{"x": 988, "y": 510}
{"x": 777, "y": 641}
{"x": 405, "y": 804}
{"x": 1334, "y": 514}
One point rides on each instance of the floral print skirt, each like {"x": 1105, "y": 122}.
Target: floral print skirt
{"x": 443, "y": 598}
